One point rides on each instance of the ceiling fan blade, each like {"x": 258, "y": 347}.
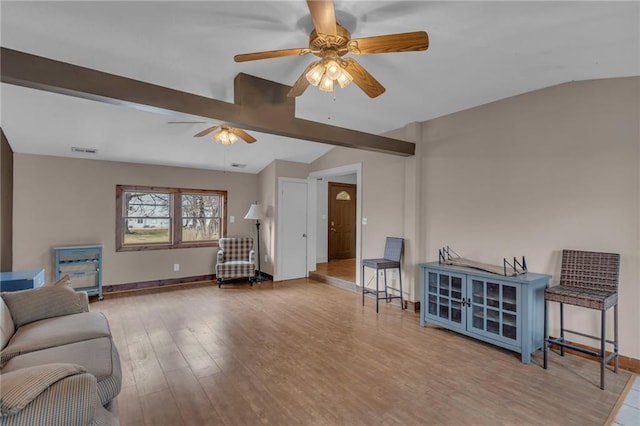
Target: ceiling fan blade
{"x": 244, "y": 135}
{"x": 363, "y": 79}
{"x": 206, "y": 131}
{"x": 323, "y": 15}
{"x": 404, "y": 42}
{"x": 271, "y": 54}
{"x": 301, "y": 83}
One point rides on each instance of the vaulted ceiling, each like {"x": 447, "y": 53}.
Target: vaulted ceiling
{"x": 479, "y": 52}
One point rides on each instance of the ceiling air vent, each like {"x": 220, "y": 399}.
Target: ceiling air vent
{"x": 84, "y": 150}
{"x": 238, "y": 165}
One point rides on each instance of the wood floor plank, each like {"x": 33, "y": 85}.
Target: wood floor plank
{"x": 302, "y": 352}
{"x": 129, "y": 407}
{"x": 228, "y": 401}
{"x": 195, "y": 408}
{"x": 160, "y": 409}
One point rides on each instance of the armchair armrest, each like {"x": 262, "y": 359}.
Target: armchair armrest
{"x": 252, "y": 256}
{"x": 220, "y": 256}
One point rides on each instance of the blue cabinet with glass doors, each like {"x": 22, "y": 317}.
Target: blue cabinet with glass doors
{"x": 83, "y": 264}
{"x": 504, "y": 311}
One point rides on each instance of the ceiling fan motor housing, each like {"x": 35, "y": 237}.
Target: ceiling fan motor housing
{"x": 319, "y": 43}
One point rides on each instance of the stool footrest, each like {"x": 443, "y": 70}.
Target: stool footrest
{"x": 561, "y": 343}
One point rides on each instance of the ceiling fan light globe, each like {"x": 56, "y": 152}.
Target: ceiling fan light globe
{"x": 333, "y": 70}
{"x": 232, "y": 138}
{"x": 222, "y": 137}
{"x": 344, "y": 79}
{"x": 326, "y": 85}
{"x": 314, "y": 76}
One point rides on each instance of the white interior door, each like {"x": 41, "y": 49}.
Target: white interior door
{"x": 292, "y": 229}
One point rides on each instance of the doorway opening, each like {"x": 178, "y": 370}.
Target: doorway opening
{"x": 336, "y": 243}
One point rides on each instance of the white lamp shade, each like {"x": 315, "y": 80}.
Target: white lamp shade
{"x": 254, "y": 213}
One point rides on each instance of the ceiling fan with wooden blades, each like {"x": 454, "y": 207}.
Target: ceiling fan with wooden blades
{"x": 330, "y": 42}
{"x": 226, "y": 135}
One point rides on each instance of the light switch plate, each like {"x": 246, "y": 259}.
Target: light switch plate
{"x": 364, "y": 220}
{"x": 232, "y": 219}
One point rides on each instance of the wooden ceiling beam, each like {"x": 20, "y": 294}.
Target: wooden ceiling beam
{"x": 259, "y": 104}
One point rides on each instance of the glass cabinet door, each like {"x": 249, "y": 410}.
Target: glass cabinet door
{"x": 444, "y": 297}
{"x": 494, "y": 309}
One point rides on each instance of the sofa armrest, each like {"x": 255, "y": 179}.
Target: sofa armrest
{"x": 48, "y": 394}
{"x": 83, "y": 299}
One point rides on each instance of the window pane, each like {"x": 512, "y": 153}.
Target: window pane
{"x": 199, "y": 206}
{"x": 146, "y": 204}
{"x": 200, "y": 229}
{"x": 151, "y": 230}
{"x": 201, "y": 217}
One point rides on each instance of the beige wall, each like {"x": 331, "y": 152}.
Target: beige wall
{"x": 533, "y": 174}
{"x": 63, "y": 201}
{"x": 267, "y": 199}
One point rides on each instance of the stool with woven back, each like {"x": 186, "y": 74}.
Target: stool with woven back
{"x": 589, "y": 280}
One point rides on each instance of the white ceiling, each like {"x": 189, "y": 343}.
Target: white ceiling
{"x": 479, "y": 52}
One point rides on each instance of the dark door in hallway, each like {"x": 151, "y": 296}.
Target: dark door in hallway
{"x": 342, "y": 221}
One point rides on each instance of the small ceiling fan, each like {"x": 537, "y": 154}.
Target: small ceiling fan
{"x": 330, "y": 42}
{"x": 226, "y": 135}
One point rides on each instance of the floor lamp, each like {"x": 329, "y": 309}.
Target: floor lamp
{"x": 255, "y": 213}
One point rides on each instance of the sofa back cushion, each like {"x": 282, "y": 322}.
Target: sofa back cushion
{"x": 7, "y": 328}
{"x": 39, "y": 303}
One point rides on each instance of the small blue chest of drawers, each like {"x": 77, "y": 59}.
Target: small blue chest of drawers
{"x": 21, "y": 280}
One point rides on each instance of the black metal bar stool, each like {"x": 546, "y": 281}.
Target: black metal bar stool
{"x": 393, "y": 249}
{"x": 587, "y": 279}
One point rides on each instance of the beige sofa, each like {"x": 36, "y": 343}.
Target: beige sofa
{"x": 59, "y": 364}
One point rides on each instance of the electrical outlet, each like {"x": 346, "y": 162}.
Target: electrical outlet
{"x": 266, "y": 257}
{"x": 176, "y": 267}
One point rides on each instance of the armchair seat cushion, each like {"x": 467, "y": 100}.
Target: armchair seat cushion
{"x": 55, "y": 331}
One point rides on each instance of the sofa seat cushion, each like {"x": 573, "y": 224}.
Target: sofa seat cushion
{"x": 98, "y": 356}
{"x": 56, "y": 331}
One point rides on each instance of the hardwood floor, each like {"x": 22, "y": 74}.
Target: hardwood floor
{"x": 302, "y": 352}
{"x": 344, "y": 269}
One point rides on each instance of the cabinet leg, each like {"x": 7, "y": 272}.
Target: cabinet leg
{"x": 545, "y": 343}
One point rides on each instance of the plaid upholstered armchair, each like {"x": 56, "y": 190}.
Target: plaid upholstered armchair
{"x": 236, "y": 259}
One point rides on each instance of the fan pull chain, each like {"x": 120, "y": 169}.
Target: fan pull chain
{"x": 334, "y": 99}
